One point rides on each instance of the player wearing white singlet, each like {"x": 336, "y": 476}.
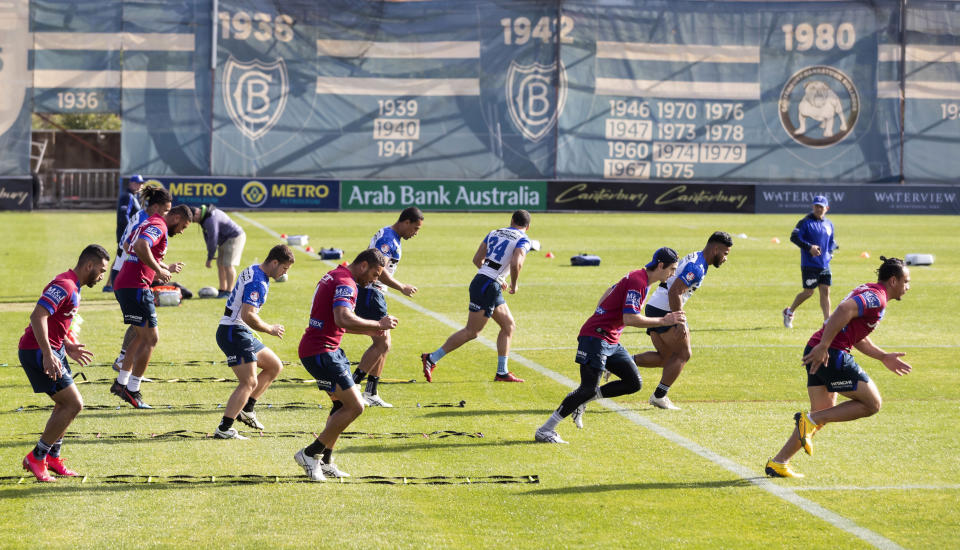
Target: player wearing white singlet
{"x": 502, "y": 250}
{"x": 244, "y": 351}
{"x": 371, "y": 304}
{"x": 673, "y": 341}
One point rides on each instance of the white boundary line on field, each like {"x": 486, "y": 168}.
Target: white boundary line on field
{"x": 784, "y": 493}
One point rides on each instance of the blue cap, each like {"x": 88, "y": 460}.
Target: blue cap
{"x": 820, "y": 200}
{"x": 665, "y": 256}
{"x": 136, "y": 178}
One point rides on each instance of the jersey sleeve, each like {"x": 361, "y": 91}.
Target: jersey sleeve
{"x": 53, "y": 297}
{"x": 345, "y": 295}
{"x": 866, "y": 301}
{"x": 254, "y": 294}
{"x": 152, "y": 234}
{"x": 523, "y": 244}
{"x": 691, "y": 274}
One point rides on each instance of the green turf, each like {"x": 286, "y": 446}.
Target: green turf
{"x": 616, "y": 485}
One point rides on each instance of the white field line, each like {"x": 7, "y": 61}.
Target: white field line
{"x": 751, "y": 475}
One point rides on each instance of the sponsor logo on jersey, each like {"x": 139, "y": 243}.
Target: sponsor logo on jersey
{"x": 634, "y": 299}
{"x": 690, "y": 276}
{"x": 534, "y": 100}
{"x": 316, "y": 323}
{"x": 254, "y": 295}
{"x": 153, "y": 231}
{"x": 870, "y": 299}
{"x": 343, "y": 291}
{"x": 55, "y": 293}
{"x": 255, "y": 94}
{"x": 385, "y": 248}
{"x": 819, "y": 106}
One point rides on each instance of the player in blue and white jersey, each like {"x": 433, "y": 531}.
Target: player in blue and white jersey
{"x": 673, "y": 341}
{"x": 502, "y": 250}
{"x": 128, "y": 206}
{"x": 372, "y": 306}
{"x": 245, "y": 352}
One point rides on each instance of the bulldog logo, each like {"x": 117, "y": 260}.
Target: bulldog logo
{"x": 530, "y": 97}
{"x": 255, "y": 94}
{"x": 811, "y": 108}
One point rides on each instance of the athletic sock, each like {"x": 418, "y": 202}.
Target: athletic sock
{"x": 337, "y": 405}
{"x": 123, "y": 377}
{"x": 55, "y": 448}
{"x": 134, "y": 383}
{"x": 40, "y": 450}
{"x": 123, "y": 353}
{"x": 327, "y": 456}
{"x": 358, "y": 376}
{"x": 502, "y": 364}
{"x": 437, "y": 355}
{"x": 315, "y": 448}
{"x": 249, "y": 406}
{"x": 551, "y": 424}
{"x": 372, "y": 382}
{"x": 661, "y": 390}
{"x": 226, "y": 423}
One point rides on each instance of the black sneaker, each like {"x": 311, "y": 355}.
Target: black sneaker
{"x": 116, "y": 389}
{"x": 134, "y": 398}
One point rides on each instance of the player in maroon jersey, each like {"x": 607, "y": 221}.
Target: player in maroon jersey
{"x": 831, "y": 369}
{"x": 44, "y": 348}
{"x": 330, "y": 317}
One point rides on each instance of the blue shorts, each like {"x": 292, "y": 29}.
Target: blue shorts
{"x": 485, "y": 295}
{"x": 371, "y": 304}
{"x": 840, "y": 374}
{"x": 330, "y": 369}
{"x": 32, "y": 362}
{"x": 239, "y": 344}
{"x": 813, "y": 276}
{"x": 602, "y": 355}
{"x": 137, "y": 306}
{"x": 651, "y": 311}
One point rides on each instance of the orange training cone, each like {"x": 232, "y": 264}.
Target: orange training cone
{"x": 775, "y": 240}
{"x": 548, "y": 255}
{"x": 864, "y": 254}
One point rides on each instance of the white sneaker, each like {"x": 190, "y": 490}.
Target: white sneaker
{"x": 787, "y": 318}
{"x": 311, "y": 465}
{"x": 232, "y": 433}
{"x": 331, "y": 470}
{"x": 250, "y": 419}
{"x": 663, "y": 403}
{"x": 547, "y": 436}
{"x": 117, "y": 363}
{"x": 373, "y": 400}
{"x": 577, "y": 415}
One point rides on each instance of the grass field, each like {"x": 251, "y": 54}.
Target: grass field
{"x": 635, "y": 477}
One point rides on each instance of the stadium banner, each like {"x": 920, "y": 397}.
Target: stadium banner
{"x": 650, "y": 197}
{"x": 393, "y": 90}
{"x": 931, "y": 92}
{"x": 166, "y": 87}
{"x": 444, "y": 195}
{"x": 245, "y": 193}
{"x": 860, "y": 199}
{"x": 15, "y": 86}
{"x": 16, "y": 193}
{"x": 730, "y": 91}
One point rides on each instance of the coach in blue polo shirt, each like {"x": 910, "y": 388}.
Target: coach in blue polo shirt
{"x": 815, "y": 236}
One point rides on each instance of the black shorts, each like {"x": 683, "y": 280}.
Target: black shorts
{"x": 32, "y": 362}
{"x": 840, "y": 374}
{"x": 485, "y": 295}
{"x": 239, "y": 344}
{"x": 651, "y": 311}
{"x": 137, "y": 306}
{"x": 371, "y": 304}
{"x": 331, "y": 370}
{"x": 814, "y": 276}
{"x": 598, "y": 353}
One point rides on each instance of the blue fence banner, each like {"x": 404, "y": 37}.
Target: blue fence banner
{"x": 861, "y": 199}
{"x": 15, "y": 85}
{"x": 16, "y": 193}
{"x": 932, "y": 92}
{"x": 244, "y": 193}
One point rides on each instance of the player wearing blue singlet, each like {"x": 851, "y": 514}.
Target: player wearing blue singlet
{"x": 673, "y": 342}
{"x": 371, "y": 304}
{"x": 244, "y": 351}
{"x": 502, "y": 250}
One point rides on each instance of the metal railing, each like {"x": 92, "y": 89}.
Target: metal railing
{"x": 75, "y": 188}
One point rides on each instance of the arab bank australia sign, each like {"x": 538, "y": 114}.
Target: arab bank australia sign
{"x": 268, "y": 193}
{"x": 444, "y": 195}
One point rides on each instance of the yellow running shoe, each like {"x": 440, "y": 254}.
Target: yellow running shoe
{"x": 806, "y": 428}
{"x": 775, "y": 469}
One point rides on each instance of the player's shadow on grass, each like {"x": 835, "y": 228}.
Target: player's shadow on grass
{"x": 435, "y": 445}
{"x": 56, "y": 489}
{"x": 655, "y": 486}
{"x": 455, "y": 411}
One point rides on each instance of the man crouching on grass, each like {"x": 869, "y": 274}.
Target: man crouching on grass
{"x": 44, "y": 348}
{"x": 330, "y": 317}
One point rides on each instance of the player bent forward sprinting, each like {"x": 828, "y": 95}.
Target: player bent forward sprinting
{"x": 831, "y": 369}
{"x": 371, "y": 304}
{"x": 244, "y": 351}
{"x": 672, "y": 343}
{"x": 598, "y": 345}
{"x": 500, "y": 251}
{"x": 147, "y": 248}
{"x": 43, "y": 351}
{"x": 330, "y": 316}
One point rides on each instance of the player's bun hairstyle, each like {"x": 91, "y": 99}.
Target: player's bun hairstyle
{"x": 410, "y": 214}
{"x": 93, "y": 253}
{"x": 721, "y": 237}
{"x": 183, "y": 211}
{"x": 891, "y": 267}
{"x": 281, "y": 253}
{"x": 372, "y": 256}
{"x": 154, "y": 194}
{"x": 520, "y": 218}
